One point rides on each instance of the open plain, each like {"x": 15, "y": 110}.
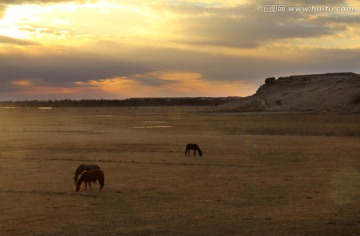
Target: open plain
{"x": 260, "y": 173}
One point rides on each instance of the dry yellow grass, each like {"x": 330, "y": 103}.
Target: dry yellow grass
{"x": 261, "y": 174}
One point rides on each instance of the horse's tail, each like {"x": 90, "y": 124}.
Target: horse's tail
{"x": 200, "y": 152}
{"x": 101, "y": 179}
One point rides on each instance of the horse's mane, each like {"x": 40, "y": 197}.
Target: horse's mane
{"x": 81, "y": 168}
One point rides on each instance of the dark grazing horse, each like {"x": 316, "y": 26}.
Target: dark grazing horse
{"x": 82, "y": 168}
{"x": 194, "y": 147}
{"x": 89, "y": 176}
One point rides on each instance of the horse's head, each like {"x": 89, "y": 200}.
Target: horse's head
{"x": 77, "y": 187}
{"x": 79, "y": 181}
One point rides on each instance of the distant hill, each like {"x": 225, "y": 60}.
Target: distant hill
{"x": 339, "y": 92}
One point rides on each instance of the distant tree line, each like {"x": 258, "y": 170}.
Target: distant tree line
{"x": 185, "y": 101}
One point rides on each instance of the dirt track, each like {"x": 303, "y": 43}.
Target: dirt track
{"x": 244, "y": 184}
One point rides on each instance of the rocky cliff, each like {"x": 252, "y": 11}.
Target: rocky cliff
{"x": 338, "y": 92}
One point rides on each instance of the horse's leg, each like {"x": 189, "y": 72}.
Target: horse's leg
{"x": 85, "y": 185}
{"x": 194, "y": 154}
{"x": 90, "y": 185}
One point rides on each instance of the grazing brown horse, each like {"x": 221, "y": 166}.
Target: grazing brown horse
{"x": 194, "y": 147}
{"x": 82, "y": 168}
{"x": 89, "y": 176}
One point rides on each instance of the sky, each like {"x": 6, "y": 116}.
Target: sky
{"x": 114, "y": 49}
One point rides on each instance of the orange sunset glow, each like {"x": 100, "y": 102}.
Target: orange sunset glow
{"x": 168, "y": 48}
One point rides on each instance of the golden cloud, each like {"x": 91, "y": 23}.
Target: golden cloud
{"x": 166, "y": 83}
{"x": 22, "y": 82}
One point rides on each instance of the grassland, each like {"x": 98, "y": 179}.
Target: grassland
{"x": 261, "y": 174}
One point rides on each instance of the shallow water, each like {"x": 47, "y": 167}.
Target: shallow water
{"x": 152, "y": 127}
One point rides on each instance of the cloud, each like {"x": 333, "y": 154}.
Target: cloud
{"x": 64, "y": 68}
{"x": 245, "y": 25}
{"x": 58, "y": 71}
{"x": 177, "y": 83}
{"x": 157, "y": 72}
{"x": 192, "y": 48}
{"x": 228, "y": 32}
{"x": 15, "y": 2}
{"x": 349, "y": 20}
{"x": 158, "y": 79}
{"x": 5, "y": 3}
{"x": 14, "y": 41}
{"x": 188, "y": 23}
{"x": 2, "y": 10}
